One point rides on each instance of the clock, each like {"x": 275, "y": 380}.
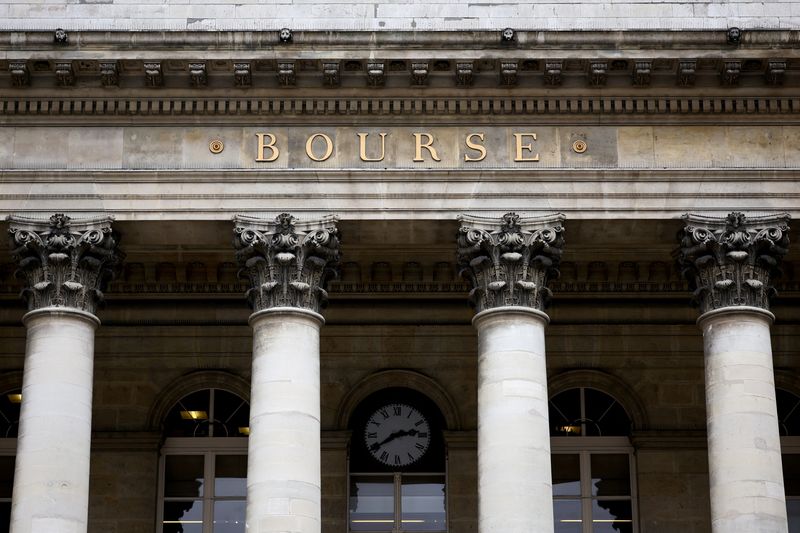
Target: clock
{"x": 397, "y": 435}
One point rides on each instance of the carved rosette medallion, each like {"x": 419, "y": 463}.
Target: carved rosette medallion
{"x": 288, "y": 263}
{"x": 65, "y": 262}
{"x": 510, "y": 263}
{"x": 732, "y": 261}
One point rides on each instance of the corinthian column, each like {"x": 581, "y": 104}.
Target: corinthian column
{"x": 509, "y": 263}
{"x": 66, "y": 264}
{"x": 730, "y": 263}
{"x": 288, "y": 264}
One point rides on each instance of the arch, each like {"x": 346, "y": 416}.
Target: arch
{"x": 188, "y": 383}
{"x": 606, "y": 383}
{"x": 399, "y": 378}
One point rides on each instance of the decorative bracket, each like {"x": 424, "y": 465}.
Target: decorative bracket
{"x": 20, "y": 75}
{"x": 288, "y": 263}
{"x": 510, "y": 263}
{"x": 376, "y": 74}
{"x": 598, "y": 73}
{"x": 66, "y": 262}
{"x": 109, "y": 73}
{"x": 198, "y": 74}
{"x": 331, "y": 73}
{"x": 732, "y": 261}
{"x": 552, "y": 73}
{"x": 242, "y": 76}
{"x": 153, "y": 76}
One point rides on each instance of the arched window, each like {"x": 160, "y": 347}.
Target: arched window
{"x": 203, "y": 469}
{"x": 10, "y": 402}
{"x": 397, "y": 464}
{"x": 789, "y": 426}
{"x": 593, "y": 463}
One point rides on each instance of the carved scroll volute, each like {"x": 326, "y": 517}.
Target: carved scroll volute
{"x": 732, "y": 261}
{"x": 65, "y": 262}
{"x": 509, "y": 262}
{"x": 287, "y": 263}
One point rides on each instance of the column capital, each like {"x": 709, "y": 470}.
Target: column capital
{"x": 509, "y": 261}
{"x": 287, "y": 262}
{"x": 66, "y": 262}
{"x": 732, "y": 261}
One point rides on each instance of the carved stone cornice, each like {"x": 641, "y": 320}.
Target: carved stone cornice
{"x": 288, "y": 263}
{"x": 65, "y": 262}
{"x": 732, "y": 261}
{"x": 510, "y": 263}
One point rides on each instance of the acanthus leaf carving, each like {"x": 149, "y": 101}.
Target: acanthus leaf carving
{"x": 287, "y": 263}
{"x": 65, "y": 262}
{"x": 732, "y": 261}
{"x": 510, "y": 263}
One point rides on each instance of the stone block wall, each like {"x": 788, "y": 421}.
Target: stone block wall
{"x": 205, "y": 15}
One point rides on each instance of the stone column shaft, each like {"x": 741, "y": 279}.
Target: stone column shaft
{"x": 730, "y": 264}
{"x": 283, "y": 470}
{"x": 514, "y": 477}
{"x": 508, "y": 265}
{"x": 66, "y": 264}
{"x": 288, "y": 265}
{"x": 744, "y": 447}
{"x": 51, "y": 480}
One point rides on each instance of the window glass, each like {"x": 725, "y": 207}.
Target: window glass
{"x": 9, "y": 413}
{"x": 231, "y": 415}
{"x": 793, "y": 510}
{"x": 229, "y": 516}
{"x": 6, "y": 476}
{"x": 231, "y": 476}
{"x": 610, "y": 474}
{"x": 423, "y": 503}
{"x": 585, "y": 412}
{"x": 604, "y": 415}
{"x": 567, "y": 516}
{"x": 566, "y": 474}
{"x": 183, "y": 517}
{"x": 612, "y": 516}
{"x": 791, "y": 473}
{"x": 183, "y": 476}
{"x": 189, "y": 417}
{"x": 371, "y": 503}
{"x": 788, "y": 412}
{"x": 565, "y": 413}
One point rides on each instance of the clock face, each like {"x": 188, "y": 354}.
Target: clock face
{"x": 397, "y": 434}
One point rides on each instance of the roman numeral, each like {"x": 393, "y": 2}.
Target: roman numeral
{"x": 384, "y": 456}
{"x": 419, "y": 446}
{"x": 385, "y": 413}
{"x": 411, "y": 457}
{"x": 397, "y": 459}
{"x": 372, "y": 435}
{"x": 398, "y": 410}
{"x": 419, "y": 422}
{"x": 423, "y": 435}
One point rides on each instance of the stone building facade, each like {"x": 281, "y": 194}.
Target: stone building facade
{"x": 360, "y": 274}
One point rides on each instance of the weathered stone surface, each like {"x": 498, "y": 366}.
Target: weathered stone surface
{"x": 510, "y": 263}
{"x": 732, "y": 261}
{"x": 288, "y": 263}
{"x": 65, "y": 262}
{"x": 409, "y": 15}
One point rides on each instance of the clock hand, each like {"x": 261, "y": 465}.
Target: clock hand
{"x": 395, "y": 435}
